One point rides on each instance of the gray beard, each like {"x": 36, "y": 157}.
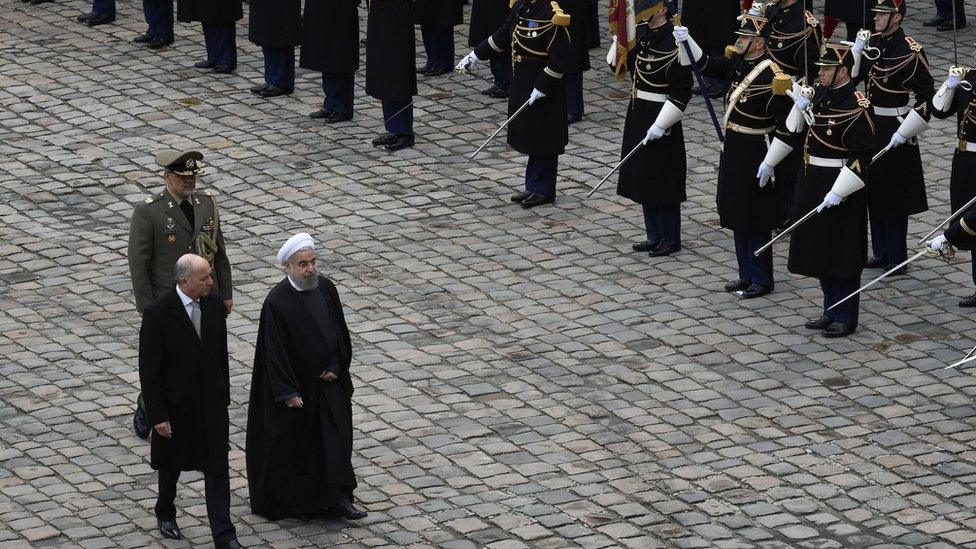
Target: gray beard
{"x": 305, "y": 284}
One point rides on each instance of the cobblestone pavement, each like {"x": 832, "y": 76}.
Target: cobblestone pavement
{"x": 522, "y": 378}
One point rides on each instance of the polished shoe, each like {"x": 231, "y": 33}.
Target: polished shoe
{"x": 875, "y": 263}
{"x": 947, "y": 26}
{"x": 321, "y": 113}
{"x": 838, "y": 329}
{"x": 663, "y": 250}
{"x": 969, "y": 302}
{"x": 439, "y": 72}
{"x": 934, "y": 22}
{"x": 204, "y": 65}
{"x": 384, "y": 139}
{"x": 536, "y": 199}
{"x": 644, "y": 246}
{"x": 753, "y": 291}
{"x": 489, "y": 89}
{"x": 83, "y": 18}
{"x": 169, "y": 529}
{"x": 819, "y": 324}
{"x": 338, "y": 117}
{"x": 142, "y": 39}
{"x": 271, "y": 91}
{"x": 573, "y": 118}
{"x": 499, "y": 93}
{"x": 224, "y": 69}
{"x": 257, "y": 89}
{"x": 232, "y": 544}
{"x": 518, "y": 198}
{"x": 140, "y": 423}
{"x": 98, "y": 19}
{"x": 348, "y": 512}
{"x": 737, "y": 286}
{"x": 159, "y": 43}
{"x": 399, "y": 142}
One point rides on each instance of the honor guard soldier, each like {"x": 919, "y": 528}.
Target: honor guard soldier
{"x": 159, "y": 18}
{"x": 894, "y": 67}
{"x": 330, "y": 45}
{"x": 838, "y": 129}
{"x": 956, "y": 96}
{"x": 167, "y": 225}
{"x": 655, "y": 176}
{"x": 756, "y": 108}
{"x": 219, "y": 20}
{"x": 536, "y": 35}
{"x": 391, "y": 71}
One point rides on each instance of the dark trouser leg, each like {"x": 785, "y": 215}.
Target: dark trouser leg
{"x": 944, "y": 10}
{"x": 104, "y": 7}
{"x": 217, "y": 489}
{"x": 501, "y": 70}
{"x": 828, "y": 292}
{"x": 762, "y": 266}
{"x": 879, "y": 239}
{"x": 165, "y": 508}
{"x": 221, "y": 43}
{"x": 209, "y": 41}
{"x": 540, "y": 174}
{"x": 399, "y": 117}
{"x": 279, "y": 67}
{"x": 742, "y": 255}
{"x": 651, "y": 223}
{"x": 972, "y": 265}
{"x": 329, "y": 91}
{"x": 896, "y": 233}
{"x": 446, "y": 47}
{"x": 836, "y": 289}
{"x": 427, "y": 36}
{"x": 164, "y": 18}
{"x": 338, "y": 88}
{"x": 149, "y": 13}
{"x": 669, "y": 224}
{"x": 574, "y": 92}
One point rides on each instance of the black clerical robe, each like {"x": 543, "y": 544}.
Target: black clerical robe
{"x": 299, "y": 460}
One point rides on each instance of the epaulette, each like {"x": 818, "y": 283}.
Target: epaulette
{"x": 811, "y": 18}
{"x": 149, "y": 200}
{"x": 512, "y": 3}
{"x": 559, "y": 17}
{"x": 205, "y": 192}
{"x": 781, "y": 81}
{"x": 913, "y": 44}
{"x": 862, "y": 99}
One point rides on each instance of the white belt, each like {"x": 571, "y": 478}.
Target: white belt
{"x": 966, "y": 146}
{"x": 892, "y": 111}
{"x": 651, "y": 96}
{"x": 826, "y": 162}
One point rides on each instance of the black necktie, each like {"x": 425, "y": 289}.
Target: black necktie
{"x": 188, "y": 212}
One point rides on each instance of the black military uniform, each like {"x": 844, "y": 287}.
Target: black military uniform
{"x": 536, "y": 36}
{"x": 330, "y": 45}
{"x": 753, "y": 112}
{"x": 579, "y": 12}
{"x": 832, "y": 245}
{"x": 391, "y": 72}
{"x": 655, "y": 176}
{"x": 897, "y": 186}
{"x": 962, "y": 181}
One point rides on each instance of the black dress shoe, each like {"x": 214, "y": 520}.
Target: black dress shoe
{"x": 875, "y": 263}
{"x": 644, "y": 246}
{"x": 348, "y": 512}
{"x": 270, "y": 91}
{"x": 83, "y": 18}
{"x": 934, "y": 22}
{"x": 424, "y": 69}
{"x": 321, "y": 113}
{"x": 489, "y": 89}
{"x": 663, "y": 250}
{"x": 257, "y": 89}
{"x": 204, "y": 65}
{"x": 947, "y": 26}
{"x": 969, "y": 302}
{"x": 536, "y": 199}
{"x": 753, "y": 291}
{"x": 573, "y": 118}
{"x": 499, "y": 93}
{"x": 384, "y": 139}
{"x": 159, "y": 43}
{"x": 737, "y": 286}
{"x": 399, "y": 142}
{"x": 838, "y": 329}
{"x": 169, "y": 529}
{"x": 99, "y": 19}
{"x": 224, "y": 69}
{"x": 819, "y": 324}
{"x": 439, "y": 71}
{"x": 338, "y": 117}
{"x": 142, "y": 39}
{"x": 232, "y": 544}
{"x": 518, "y": 198}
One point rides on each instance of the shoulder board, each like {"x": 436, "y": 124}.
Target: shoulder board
{"x": 913, "y": 44}
{"x": 149, "y": 200}
{"x": 559, "y": 17}
{"x": 862, "y": 99}
{"x": 206, "y": 193}
{"x": 811, "y": 18}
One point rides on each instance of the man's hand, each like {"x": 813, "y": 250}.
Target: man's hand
{"x": 294, "y": 402}
{"x": 680, "y": 34}
{"x": 764, "y": 174}
{"x": 860, "y": 42}
{"x": 937, "y": 243}
{"x": 328, "y": 376}
{"x": 832, "y": 199}
{"x": 229, "y": 304}
{"x": 654, "y": 132}
{"x": 535, "y": 96}
{"x": 164, "y": 429}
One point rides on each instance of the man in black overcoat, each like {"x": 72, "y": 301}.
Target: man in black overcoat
{"x": 391, "y": 71}
{"x": 330, "y": 45}
{"x": 437, "y": 19}
{"x": 486, "y": 16}
{"x": 713, "y": 24}
{"x": 184, "y": 373}
{"x": 275, "y": 25}
{"x": 218, "y": 18}
{"x": 159, "y": 18}
{"x": 299, "y": 420}
{"x": 579, "y": 12}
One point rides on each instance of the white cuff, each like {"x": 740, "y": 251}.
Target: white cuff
{"x": 491, "y": 42}
{"x": 670, "y": 113}
{"x": 778, "y": 150}
{"x": 847, "y": 183}
{"x": 913, "y": 125}
{"x": 943, "y": 98}
{"x": 795, "y": 121}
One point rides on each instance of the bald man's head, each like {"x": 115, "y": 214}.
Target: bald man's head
{"x": 192, "y": 273}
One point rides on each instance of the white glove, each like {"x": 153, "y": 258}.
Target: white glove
{"x": 861, "y": 42}
{"x": 765, "y": 172}
{"x": 654, "y": 132}
{"x": 680, "y": 34}
{"x": 953, "y": 81}
{"x": 535, "y": 96}
{"x": 801, "y": 102}
{"x": 896, "y": 139}
{"x": 832, "y": 199}
{"x": 467, "y": 62}
{"x": 937, "y": 243}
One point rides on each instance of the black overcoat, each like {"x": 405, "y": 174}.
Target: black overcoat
{"x": 486, "y": 17}
{"x": 209, "y": 11}
{"x": 712, "y": 23}
{"x": 330, "y": 36}
{"x": 446, "y": 13}
{"x": 962, "y": 181}
{"x": 275, "y": 23}
{"x": 185, "y": 381}
{"x": 391, "y": 56}
{"x": 298, "y": 458}
{"x": 579, "y": 42}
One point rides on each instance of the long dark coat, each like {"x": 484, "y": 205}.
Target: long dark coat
{"x": 275, "y": 23}
{"x": 391, "y": 55}
{"x": 330, "y": 36}
{"x": 446, "y": 13}
{"x": 962, "y": 181}
{"x": 209, "y": 11}
{"x": 486, "y": 17}
{"x": 300, "y": 459}
{"x": 579, "y": 42}
{"x": 185, "y": 381}
{"x": 711, "y": 22}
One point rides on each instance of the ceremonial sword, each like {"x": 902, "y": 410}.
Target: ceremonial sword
{"x": 505, "y": 123}
{"x": 615, "y": 168}
{"x": 968, "y": 358}
{"x": 946, "y": 253}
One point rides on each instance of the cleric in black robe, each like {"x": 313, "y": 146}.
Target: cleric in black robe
{"x": 299, "y": 420}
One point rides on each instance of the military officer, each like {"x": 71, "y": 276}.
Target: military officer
{"x": 176, "y": 221}
{"x": 536, "y": 36}
{"x": 655, "y": 176}
{"x": 835, "y": 119}
{"x": 897, "y": 186}
{"x": 756, "y": 109}
{"x": 957, "y": 98}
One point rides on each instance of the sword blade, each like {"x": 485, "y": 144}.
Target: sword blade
{"x": 879, "y": 155}
{"x": 788, "y": 230}
{"x": 615, "y": 168}
{"x": 505, "y": 123}
{"x": 949, "y": 219}
{"x": 398, "y": 112}
{"x": 878, "y": 279}
{"x": 961, "y": 362}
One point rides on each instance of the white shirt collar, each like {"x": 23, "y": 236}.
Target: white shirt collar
{"x": 185, "y": 300}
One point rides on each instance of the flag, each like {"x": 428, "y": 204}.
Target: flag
{"x": 624, "y": 16}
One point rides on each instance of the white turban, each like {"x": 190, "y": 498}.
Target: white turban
{"x": 295, "y": 243}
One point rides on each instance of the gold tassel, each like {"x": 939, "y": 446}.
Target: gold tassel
{"x": 782, "y": 84}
